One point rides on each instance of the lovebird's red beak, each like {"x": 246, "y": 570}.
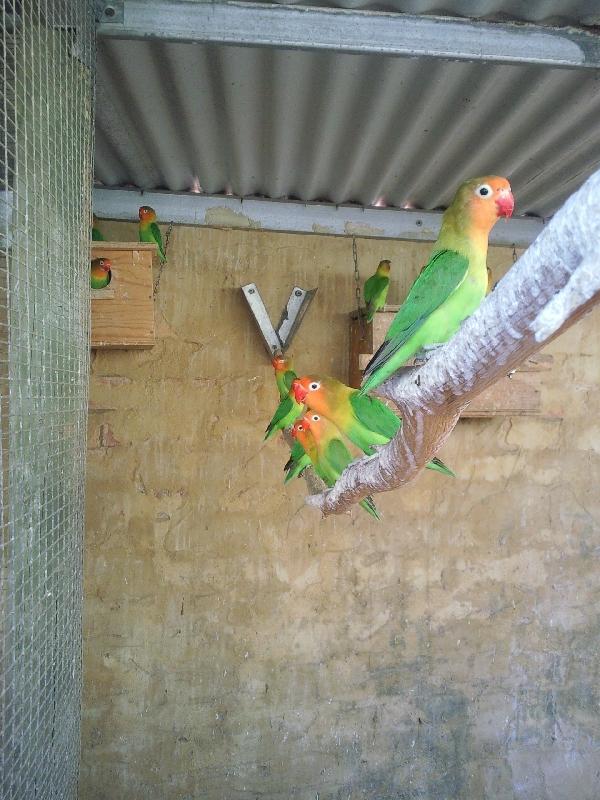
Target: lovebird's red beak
{"x": 299, "y": 391}
{"x": 505, "y": 203}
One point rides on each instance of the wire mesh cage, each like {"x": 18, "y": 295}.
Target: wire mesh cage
{"x": 46, "y": 107}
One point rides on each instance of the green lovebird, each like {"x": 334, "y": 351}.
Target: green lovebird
{"x": 365, "y": 420}
{"x": 325, "y": 447}
{"x": 149, "y": 230}
{"x": 376, "y": 289}
{"x": 96, "y": 235}
{"x": 284, "y": 374}
{"x": 298, "y": 461}
{"x": 453, "y": 283}
{"x": 100, "y": 273}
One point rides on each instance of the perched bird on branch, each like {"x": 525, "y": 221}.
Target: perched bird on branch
{"x": 149, "y": 230}
{"x": 100, "y": 273}
{"x": 453, "y": 283}
{"x": 376, "y": 289}
{"x": 365, "y": 420}
{"x": 329, "y": 455}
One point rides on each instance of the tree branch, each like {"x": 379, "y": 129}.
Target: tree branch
{"x": 551, "y": 286}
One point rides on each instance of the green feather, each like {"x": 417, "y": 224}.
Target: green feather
{"x": 286, "y": 414}
{"x": 151, "y": 233}
{"x": 96, "y": 235}
{"x": 437, "y": 465}
{"x": 297, "y": 463}
{"x": 334, "y": 457}
{"x": 158, "y": 239}
{"x": 438, "y": 282}
{"x": 374, "y": 414}
{"x": 288, "y": 377}
{"x": 375, "y": 292}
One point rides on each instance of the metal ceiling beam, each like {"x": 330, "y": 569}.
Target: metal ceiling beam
{"x": 348, "y": 31}
{"x": 294, "y": 217}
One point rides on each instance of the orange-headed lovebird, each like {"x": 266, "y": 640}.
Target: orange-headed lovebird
{"x": 365, "y": 420}
{"x": 149, "y": 230}
{"x": 100, "y": 273}
{"x": 376, "y": 289}
{"x": 452, "y": 284}
{"x": 325, "y": 447}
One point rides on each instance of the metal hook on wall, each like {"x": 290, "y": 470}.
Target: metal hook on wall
{"x": 278, "y": 340}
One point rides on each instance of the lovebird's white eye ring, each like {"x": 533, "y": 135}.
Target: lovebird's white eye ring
{"x": 315, "y": 417}
{"x": 484, "y": 190}
{"x": 300, "y": 427}
{"x": 314, "y": 386}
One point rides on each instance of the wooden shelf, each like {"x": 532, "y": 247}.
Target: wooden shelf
{"x": 123, "y": 312}
{"x": 521, "y": 394}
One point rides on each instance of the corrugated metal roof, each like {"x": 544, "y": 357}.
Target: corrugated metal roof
{"x": 540, "y": 12}
{"x": 340, "y": 128}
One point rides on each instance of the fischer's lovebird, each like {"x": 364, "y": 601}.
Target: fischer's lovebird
{"x": 376, "y": 289}
{"x": 327, "y": 451}
{"x": 100, "y": 273}
{"x": 149, "y": 230}
{"x": 454, "y": 282}
{"x": 96, "y": 233}
{"x": 284, "y": 374}
{"x": 365, "y": 420}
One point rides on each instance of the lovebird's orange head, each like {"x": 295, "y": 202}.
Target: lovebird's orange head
{"x": 308, "y": 386}
{"x": 483, "y": 200}
{"x": 315, "y": 424}
{"x": 103, "y": 264}
{"x": 301, "y": 433}
{"x": 281, "y": 363}
{"x": 384, "y": 268}
{"x": 147, "y": 214}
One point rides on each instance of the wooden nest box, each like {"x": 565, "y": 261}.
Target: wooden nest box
{"x": 123, "y": 312}
{"x": 523, "y": 393}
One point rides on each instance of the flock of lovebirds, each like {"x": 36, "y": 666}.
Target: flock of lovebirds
{"x": 101, "y": 268}
{"x": 323, "y": 412}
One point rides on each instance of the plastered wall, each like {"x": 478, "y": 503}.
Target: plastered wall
{"x": 238, "y": 646}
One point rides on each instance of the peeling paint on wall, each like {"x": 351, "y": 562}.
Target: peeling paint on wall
{"x": 223, "y": 217}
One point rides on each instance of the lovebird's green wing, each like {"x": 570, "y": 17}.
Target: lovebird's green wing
{"x": 441, "y": 277}
{"x": 369, "y": 506}
{"x": 338, "y": 457}
{"x": 296, "y": 455}
{"x": 155, "y": 230}
{"x": 288, "y": 377}
{"x": 375, "y": 291}
{"x": 374, "y": 286}
{"x": 297, "y": 463}
{"x": 96, "y": 235}
{"x": 374, "y": 415}
{"x": 285, "y": 415}
{"x": 437, "y": 465}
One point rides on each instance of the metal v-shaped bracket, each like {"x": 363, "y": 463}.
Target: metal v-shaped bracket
{"x": 278, "y": 341}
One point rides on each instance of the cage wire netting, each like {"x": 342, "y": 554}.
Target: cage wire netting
{"x": 46, "y": 106}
